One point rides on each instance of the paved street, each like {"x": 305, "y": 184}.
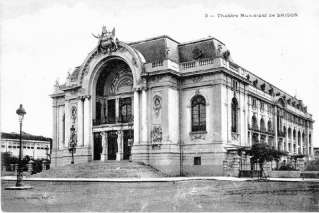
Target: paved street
{"x": 199, "y": 195}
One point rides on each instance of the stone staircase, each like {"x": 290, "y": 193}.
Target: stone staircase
{"x": 98, "y": 169}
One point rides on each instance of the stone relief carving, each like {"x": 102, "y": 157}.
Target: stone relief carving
{"x": 197, "y": 79}
{"x": 157, "y": 78}
{"x": 197, "y": 53}
{"x": 157, "y": 104}
{"x": 198, "y": 136}
{"x": 156, "y": 134}
{"x": 235, "y": 136}
{"x": 73, "y": 114}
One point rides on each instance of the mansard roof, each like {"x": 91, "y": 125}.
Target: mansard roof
{"x": 164, "y": 47}
{"x": 160, "y": 48}
{"x": 157, "y": 48}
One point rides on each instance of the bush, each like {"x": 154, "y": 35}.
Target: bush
{"x": 37, "y": 166}
{"x": 312, "y": 165}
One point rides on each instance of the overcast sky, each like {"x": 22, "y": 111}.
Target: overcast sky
{"x": 42, "y": 40}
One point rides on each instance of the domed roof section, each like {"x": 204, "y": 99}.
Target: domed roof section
{"x": 164, "y": 47}
{"x": 202, "y": 48}
{"x": 157, "y": 48}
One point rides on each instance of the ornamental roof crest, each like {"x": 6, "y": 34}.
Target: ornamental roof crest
{"x": 108, "y": 42}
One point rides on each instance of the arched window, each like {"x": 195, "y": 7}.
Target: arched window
{"x": 289, "y": 133}
{"x": 198, "y": 113}
{"x": 269, "y": 126}
{"x": 234, "y": 115}
{"x": 125, "y": 109}
{"x": 285, "y": 131}
{"x": 294, "y": 134}
{"x": 262, "y": 125}
{"x": 98, "y": 111}
{"x": 254, "y": 122}
{"x": 299, "y": 138}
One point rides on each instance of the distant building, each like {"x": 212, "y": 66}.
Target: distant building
{"x": 36, "y": 147}
{"x": 183, "y": 108}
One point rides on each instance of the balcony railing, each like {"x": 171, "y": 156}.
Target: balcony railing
{"x": 113, "y": 120}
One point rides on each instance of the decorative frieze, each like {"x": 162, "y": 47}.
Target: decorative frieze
{"x": 201, "y": 135}
{"x": 157, "y": 104}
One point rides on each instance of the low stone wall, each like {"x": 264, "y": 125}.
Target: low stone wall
{"x": 310, "y": 174}
{"x": 284, "y": 174}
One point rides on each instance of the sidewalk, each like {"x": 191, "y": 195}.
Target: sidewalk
{"x": 161, "y": 179}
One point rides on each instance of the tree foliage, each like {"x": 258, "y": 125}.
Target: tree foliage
{"x": 262, "y": 152}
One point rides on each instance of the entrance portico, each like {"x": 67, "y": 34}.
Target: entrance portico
{"x": 115, "y": 143}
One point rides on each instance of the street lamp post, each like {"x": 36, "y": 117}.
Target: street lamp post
{"x": 72, "y": 144}
{"x": 19, "y": 184}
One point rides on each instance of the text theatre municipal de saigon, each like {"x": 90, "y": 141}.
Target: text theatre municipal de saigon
{"x": 183, "y": 108}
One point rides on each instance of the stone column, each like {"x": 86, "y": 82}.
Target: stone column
{"x": 117, "y": 109}
{"x": 86, "y": 117}
{"x": 119, "y": 154}
{"x": 55, "y": 142}
{"x": 136, "y": 117}
{"x": 286, "y": 139}
{"x": 67, "y": 124}
{"x": 307, "y": 142}
{"x": 144, "y": 116}
{"x": 80, "y": 123}
{"x": 275, "y": 129}
{"x": 301, "y": 143}
{"x": 104, "y": 146}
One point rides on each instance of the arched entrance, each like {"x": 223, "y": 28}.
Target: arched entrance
{"x": 112, "y": 111}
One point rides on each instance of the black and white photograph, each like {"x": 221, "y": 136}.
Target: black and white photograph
{"x": 159, "y": 106}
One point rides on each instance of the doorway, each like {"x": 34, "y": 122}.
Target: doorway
{"x": 112, "y": 145}
{"x": 97, "y": 146}
{"x": 127, "y": 144}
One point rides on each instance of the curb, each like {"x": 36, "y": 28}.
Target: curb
{"x": 166, "y": 179}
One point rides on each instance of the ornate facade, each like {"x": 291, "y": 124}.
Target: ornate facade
{"x": 179, "y": 107}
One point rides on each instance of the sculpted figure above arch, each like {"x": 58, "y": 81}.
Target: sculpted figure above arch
{"x": 108, "y": 42}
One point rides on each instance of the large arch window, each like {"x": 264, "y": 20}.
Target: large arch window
{"x": 262, "y": 125}
{"x": 269, "y": 126}
{"x": 289, "y": 133}
{"x": 234, "y": 115}
{"x": 299, "y": 138}
{"x": 198, "y": 113}
{"x": 254, "y": 122}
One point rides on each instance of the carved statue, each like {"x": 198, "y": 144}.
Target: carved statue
{"x": 56, "y": 85}
{"x": 107, "y": 41}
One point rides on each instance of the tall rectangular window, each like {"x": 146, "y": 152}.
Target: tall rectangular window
{"x": 125, "y": 110}
{"x": 198, "y": 113}
{"x": 111, "y": 111}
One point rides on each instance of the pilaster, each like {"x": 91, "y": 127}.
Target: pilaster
{"x": 104, "y": 146}
{"x": 144, "y": 116}
{"x": 87, "y": 120}
{"x": 136, "y": 117}
{"x": 119, "y": 154}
